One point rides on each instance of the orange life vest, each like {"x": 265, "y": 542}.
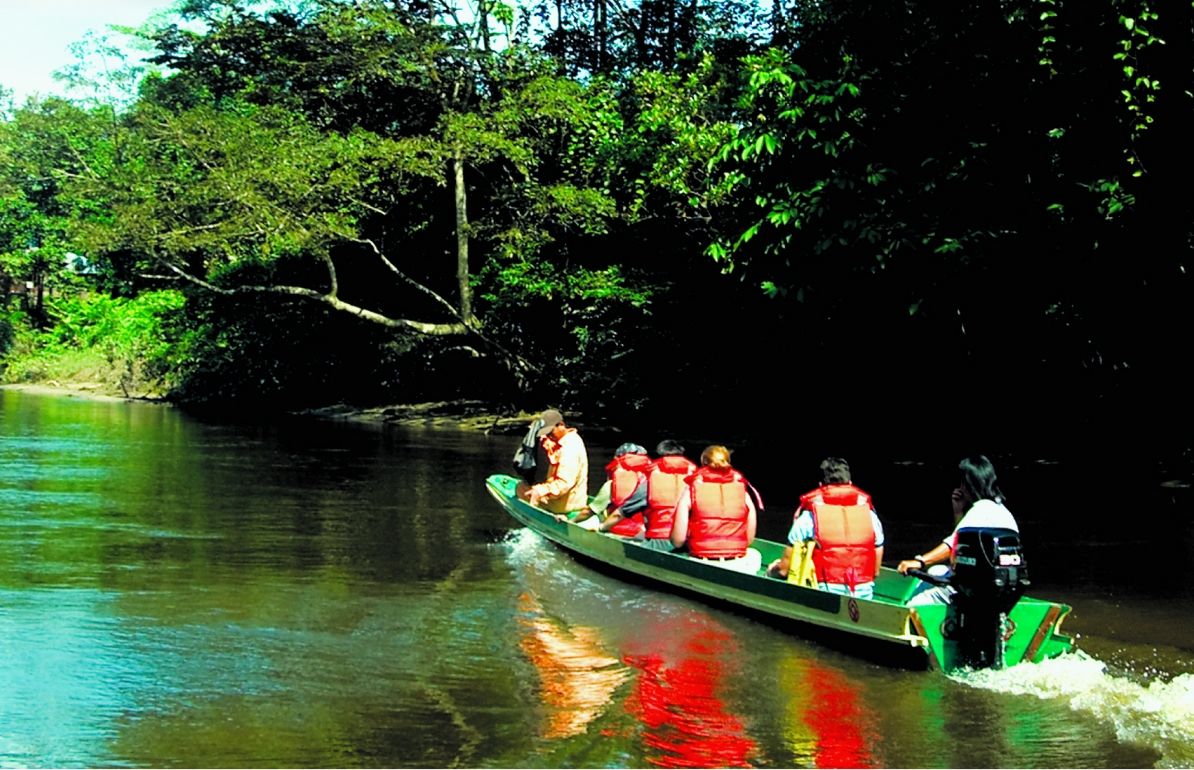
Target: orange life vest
{"x": 665, "y": 484}
{"x": 845, "y": 536}
{"x": 718, "y": 513}
{"x": 625, "y": 474}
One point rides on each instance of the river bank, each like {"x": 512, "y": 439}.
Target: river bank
{"x": 467, "y": 415}
{"x": 85, "y": 390}
{"x": 1174, "y": 471}
{"x": 471, "y": 416}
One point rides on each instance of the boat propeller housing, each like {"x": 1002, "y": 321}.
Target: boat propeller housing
{"x": 990, "y": 575}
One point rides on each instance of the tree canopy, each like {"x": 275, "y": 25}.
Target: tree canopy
{"x": 557, "y": 198}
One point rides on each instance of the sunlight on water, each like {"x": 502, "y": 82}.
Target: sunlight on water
{"x": 65, "y": 674}
{"x": 1158, "y": 714}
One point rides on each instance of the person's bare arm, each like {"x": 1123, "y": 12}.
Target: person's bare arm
{"x": 935, "y": 556}
{"x": 941, "y": 552}
{"x": 585, "y": 513}
{"x": 613, "y": 518}
{"x": 680, "y": 522}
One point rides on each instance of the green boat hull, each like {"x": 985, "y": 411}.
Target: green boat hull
{"x": 1033, "y": 634}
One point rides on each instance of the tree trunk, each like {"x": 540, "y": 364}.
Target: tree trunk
{"x": 40, "y": 279}
{"x": 462, "y": 276}
{"x": 483, "y": 12}
{"x": 672, "y": 21}
{"x": 599, "y": 30}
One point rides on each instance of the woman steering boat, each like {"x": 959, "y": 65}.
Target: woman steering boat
{"x": 977, "y": 503}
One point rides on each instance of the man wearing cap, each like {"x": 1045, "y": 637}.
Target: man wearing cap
{"x": 567, "y": 485}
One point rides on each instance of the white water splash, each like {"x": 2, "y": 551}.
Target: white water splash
{"x": 530, "y": 551}
{"x": 533, "y": 554}
{"x": 1158, "y": 714}
{"x": 524, "y": 545}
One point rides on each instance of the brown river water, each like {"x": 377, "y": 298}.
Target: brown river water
{"x": 315, "y": 594}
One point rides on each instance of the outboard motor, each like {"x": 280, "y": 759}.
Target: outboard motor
{"x": 990, "y": 575}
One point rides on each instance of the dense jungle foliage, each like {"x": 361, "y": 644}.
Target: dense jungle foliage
{"x": 932, "y": 217}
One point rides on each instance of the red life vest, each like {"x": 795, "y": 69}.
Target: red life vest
{"x": 718, "y": 514}
{"x": 628, "y": 527}
{"x": 665, "y": 484}
{"x": 625, "y": 473}
{"x": 845, "y": 536}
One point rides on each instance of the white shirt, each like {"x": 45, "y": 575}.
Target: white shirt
{"x": 985, "y": 514}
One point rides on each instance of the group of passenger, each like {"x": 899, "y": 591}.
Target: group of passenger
{"x": 711, "y": 511}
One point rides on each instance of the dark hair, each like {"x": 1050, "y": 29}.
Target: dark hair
{"x": 978, "y": 474}
{"x": 669, "y": 447}
{"x": 835, "y": 470}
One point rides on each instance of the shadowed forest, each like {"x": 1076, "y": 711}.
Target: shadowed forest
{"x": 930, "y": 222}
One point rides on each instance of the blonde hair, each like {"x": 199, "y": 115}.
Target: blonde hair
{"x": 716, "y": 456}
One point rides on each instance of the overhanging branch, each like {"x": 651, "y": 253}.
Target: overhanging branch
{"x": 409, "y": 281}
{"x": 516, "y": 364}
{"x": 422, "y": 327}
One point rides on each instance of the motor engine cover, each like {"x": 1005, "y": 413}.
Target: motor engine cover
{"x": 990, "y": 568}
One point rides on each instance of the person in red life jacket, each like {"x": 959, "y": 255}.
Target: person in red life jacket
{"x": 567, "y": 485}
{"x": 622, "y": 496}
{"x": 841, "y": 519}
{"x": 666, "y": 484}
{"x": 716, "y": 519}
{"x": 647, "y": 515}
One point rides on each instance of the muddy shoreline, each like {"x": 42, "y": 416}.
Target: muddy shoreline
{"x": 85, "y": 390}
{"x": 479, "y": 416}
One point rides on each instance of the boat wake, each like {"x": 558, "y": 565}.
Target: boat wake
{"x": 1157, "y": 714}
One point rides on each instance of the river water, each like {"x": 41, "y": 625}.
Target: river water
{"x": 176, "y": 593}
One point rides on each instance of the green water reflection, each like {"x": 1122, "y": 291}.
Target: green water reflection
{"x": 175, "y": 593}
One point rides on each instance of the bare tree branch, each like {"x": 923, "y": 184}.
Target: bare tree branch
{"x": 413, "y": 283}
{"x": 430, "y": 329}
{"x": 327, "y": 260}
{"x": 514, "y": 362}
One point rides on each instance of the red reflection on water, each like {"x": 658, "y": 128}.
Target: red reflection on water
{"x": 676, "y": 701}
{"x": 577, "y": 677}
{"x": 838, "y": 717}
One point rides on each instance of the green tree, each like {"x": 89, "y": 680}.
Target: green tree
{"x": 332, "y": 134}
{"x": 45, "y": 146}
{"x": 922, "y": 142}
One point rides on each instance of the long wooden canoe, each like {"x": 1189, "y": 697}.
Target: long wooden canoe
{"x": 1033, "y": 633}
